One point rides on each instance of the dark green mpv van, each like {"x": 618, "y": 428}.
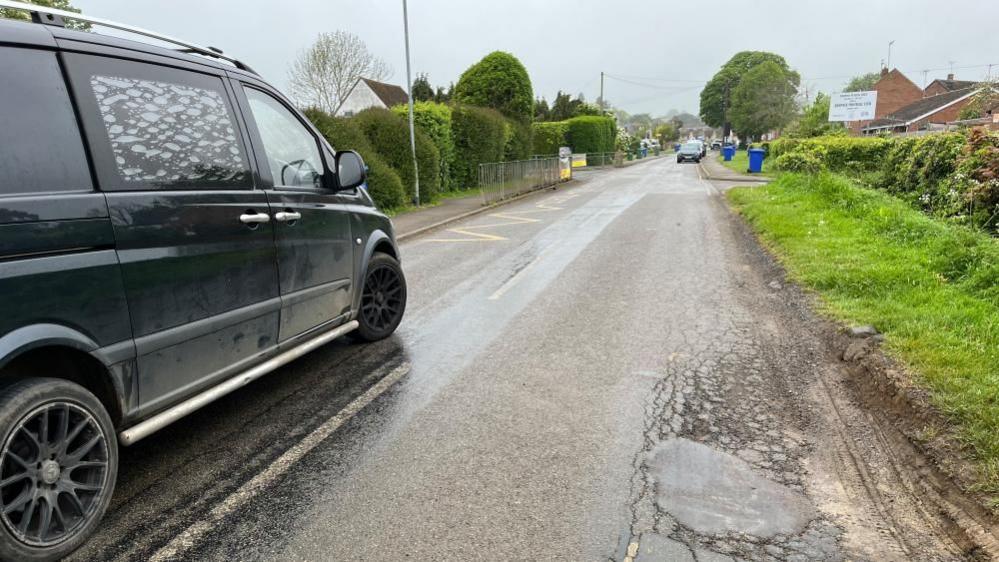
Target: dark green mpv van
{"x": 171, "y": 228}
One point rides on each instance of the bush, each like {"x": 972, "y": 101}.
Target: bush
{"x": 479, "y": 136}
{"x": 389, "y": 135}
{"x": 799, "y": 162}
{"x": 839, "y": 153}
{"x": 549, "y": 137}
{"x": 590, "y": 133}
{"x": 519, "y": 141}
{"x": 383, "y": 183}
{"x": 434, "y": 119}
{"x": 498, "y": 81}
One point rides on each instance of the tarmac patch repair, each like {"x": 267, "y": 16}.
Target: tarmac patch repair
{"x": 713, "y": 492}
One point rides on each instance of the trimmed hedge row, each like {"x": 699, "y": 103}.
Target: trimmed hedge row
{"x": 584, "y": 134}
{"x": 949, "y": 175}
{"x": 479, "y": 136}
{"x": 549, "y": 136}
{"x": 389, "y": 135}
{"x": 384, "y": 184}
{"x": 435, "y": 120}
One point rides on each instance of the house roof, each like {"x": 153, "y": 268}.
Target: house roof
{"x": 390, "y": 94}
{"x": 952, "y": 85}
{"x": 917, "y": 110}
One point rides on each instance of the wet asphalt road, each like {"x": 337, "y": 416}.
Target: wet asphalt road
{"x": 610, "y": 370}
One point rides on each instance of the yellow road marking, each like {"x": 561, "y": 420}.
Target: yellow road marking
{"x": 472, "y": 234}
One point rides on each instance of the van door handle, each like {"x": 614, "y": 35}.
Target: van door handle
{"x": 287, "y": 216}
{"x": 254, "y": 218}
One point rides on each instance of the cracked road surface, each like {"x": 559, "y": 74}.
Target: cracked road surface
{"x": 610, "y": 371}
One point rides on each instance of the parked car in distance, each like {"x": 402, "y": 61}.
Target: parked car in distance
{"x": 716, "y": 144}
{"x": 690, "y": 151}
{"x": 172, "y": 227}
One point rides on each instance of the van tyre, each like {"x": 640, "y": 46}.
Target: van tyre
{"x": 383, "y": 298}
{"x": 58, "y": 466}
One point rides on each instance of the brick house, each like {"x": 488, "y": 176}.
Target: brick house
{"x": 369, "y": 93}
{"x": 895, "y": 91}
{"x": 938, "y": 86}
{"x": 923, "y": 114}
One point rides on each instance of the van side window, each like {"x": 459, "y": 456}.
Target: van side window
{"x": 41, "y": 149}
{"x": 160, "y": 127}
{"x": 292, "y": 151}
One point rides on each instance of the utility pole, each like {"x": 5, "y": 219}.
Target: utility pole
{"x": 409, "y": 86}
{"x": 890, "y": 43}
{"x": 601, "y": 90}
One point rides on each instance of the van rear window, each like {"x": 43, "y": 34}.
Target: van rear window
{"x": 41, "y": 149}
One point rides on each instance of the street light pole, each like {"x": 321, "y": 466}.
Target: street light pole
{"x": 409, "y": 88}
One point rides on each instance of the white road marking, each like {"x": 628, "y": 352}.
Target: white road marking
{"x": 187, "y": 539}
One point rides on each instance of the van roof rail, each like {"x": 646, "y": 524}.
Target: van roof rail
{"x": 55, "y": 16}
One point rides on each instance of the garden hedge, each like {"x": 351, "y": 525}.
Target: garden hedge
{"x": 434, "y": 119}
{"x": 949, "y": 175}
{"x": 498, "y": 81}
{"x": 591, "y": 133}
{"x": 549, "y": 137}
{"x": 389, "y": 135}
{"x": 384, "y": 185}
{"x": 519, "y": 141}
{"x": 479, "y": 136}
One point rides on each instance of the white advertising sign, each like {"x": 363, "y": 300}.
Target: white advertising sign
{"x": 852, "y": 106}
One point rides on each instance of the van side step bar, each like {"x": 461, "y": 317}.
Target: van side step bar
{"x": 174, "y": 413}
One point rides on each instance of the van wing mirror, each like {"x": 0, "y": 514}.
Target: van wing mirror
{"x": 350, "y": 170}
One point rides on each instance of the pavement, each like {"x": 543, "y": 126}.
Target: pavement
{"x": 712, "y": 169}
{"x": 611, "y": 370}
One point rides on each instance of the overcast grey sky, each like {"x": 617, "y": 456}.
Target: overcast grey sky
{"x": 666, "y": 49}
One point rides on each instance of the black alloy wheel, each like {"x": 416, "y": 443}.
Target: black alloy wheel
{"x": 383, "y": 298}
{"x": 58, "y": 467}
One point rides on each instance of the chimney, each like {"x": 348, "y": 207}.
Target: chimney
{"x": 884, "y": 71}
{"x": 950, "y": 76}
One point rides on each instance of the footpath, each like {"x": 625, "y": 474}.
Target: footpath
{"x": 714, "y": 170}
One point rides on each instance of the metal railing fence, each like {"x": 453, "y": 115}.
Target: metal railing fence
{"x": 499, "y": 180}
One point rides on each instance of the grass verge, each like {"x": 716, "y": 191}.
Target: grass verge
{"x": 740, "y": 163}
{"x": 930, "y": 287}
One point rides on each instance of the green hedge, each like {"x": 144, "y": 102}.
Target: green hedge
{"x": 434, "y": 119}
{"x": 498, "y": 81}
{"x": 948, "y": 175}
{"x": 383, "y": 183}
{"x": 839, "y": 152}
{"x": 389, "y": 135}
{"x": 519, "y": 141}
{"x": 591, "y": 133}
{"x": 479, "y": 136}
{"x": 549, "y": 136}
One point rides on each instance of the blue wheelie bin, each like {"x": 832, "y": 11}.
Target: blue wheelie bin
{"x": 728, "y": 151}
{"x": 756, "y": 160}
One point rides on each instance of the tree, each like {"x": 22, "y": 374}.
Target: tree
{"x": 763, "y": 100}
{"x": 814, "y": 120}
{"x": 498, "y": 81}
{"x": 716, "y": 97}
{"x": 324, "y": 73}
{"x": 442, "y": 95}
{"x": 58, "y": 4}
{"x": 422, "y": 91}
{"x": 561, "y": 107}
{"x": 541, "y": 111}
{"x": 862, "y": 83}
{"x": 666, "y": 133}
